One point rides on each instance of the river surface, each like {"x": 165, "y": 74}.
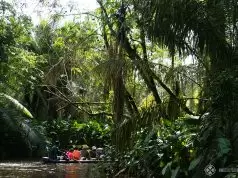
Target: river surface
{"x": 29, "y": 169}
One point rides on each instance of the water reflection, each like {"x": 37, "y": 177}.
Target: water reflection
{"x": 39, "y": 170}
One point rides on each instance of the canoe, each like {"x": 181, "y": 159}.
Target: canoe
{"x": 48, "y": 160}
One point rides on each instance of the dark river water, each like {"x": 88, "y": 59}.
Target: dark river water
{"x": 29, "y": 169}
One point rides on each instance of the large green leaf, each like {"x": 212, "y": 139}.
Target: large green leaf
{"x": 18, "y": 105}
{"x": 194, "y": 163}
{"x": 224, "y": 146}
{"x": 175, "y": 172}
{"x": 167, "y": 170}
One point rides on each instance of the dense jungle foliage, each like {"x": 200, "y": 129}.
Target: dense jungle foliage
{"x": 153, "y": 82}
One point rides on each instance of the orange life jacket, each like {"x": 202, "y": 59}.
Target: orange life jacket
{"x": 76, "y": 155}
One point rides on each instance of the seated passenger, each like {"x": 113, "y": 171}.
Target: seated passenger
{"x": 54, "y": 152}
{"x": 92, "y": 152}
{"x": 100, "y": 153}
{"x": 69, "y": 154}
{"x": 76, "y": 154}
{"x": 84, "y": 153}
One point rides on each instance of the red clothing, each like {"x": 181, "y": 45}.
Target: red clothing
{"x": 76, "y": 155}
{"x": 69, "y": 155}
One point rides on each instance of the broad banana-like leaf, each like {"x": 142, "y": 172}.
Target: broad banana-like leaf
{"x": 18, "y": 105}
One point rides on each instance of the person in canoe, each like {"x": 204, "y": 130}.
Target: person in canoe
{"x": 93, "y": 153}
{"x": 54, "y": 151}
{"x": 84, "y": 153}
{"x": 100, "y": 153}
{"x": 69, "y": 154}
{"x": 76, "y": 154}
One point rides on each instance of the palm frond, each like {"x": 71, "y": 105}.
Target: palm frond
{"x": 31, "y": 135}
{"x": 18, "y": 105}
{"x": 188, "y": 26}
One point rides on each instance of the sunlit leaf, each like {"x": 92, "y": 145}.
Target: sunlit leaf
{"x": 18, "y": 105}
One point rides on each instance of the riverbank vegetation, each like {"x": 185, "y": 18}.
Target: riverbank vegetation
{"x": 153, "y": 82}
